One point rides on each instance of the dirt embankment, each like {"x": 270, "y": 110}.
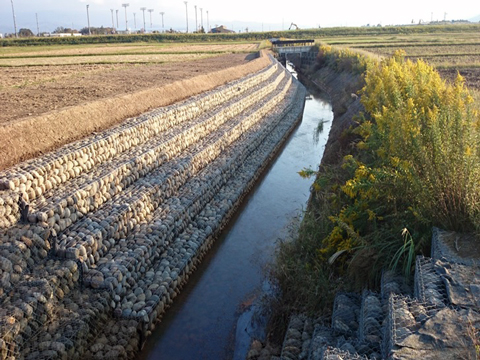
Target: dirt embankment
{"x": 71, "y": 108}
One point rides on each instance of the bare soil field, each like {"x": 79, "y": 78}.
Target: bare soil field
{"x": 135, "y": 48}
{"x": 472, "y": 76}
{"x": 34, "y": 90}
{"x": 448, "y": 52}
{"x": 145, "y": 58}
{"x": 44, "y": 107}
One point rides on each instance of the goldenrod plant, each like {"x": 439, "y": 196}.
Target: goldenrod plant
{"x": 416, "y": 165}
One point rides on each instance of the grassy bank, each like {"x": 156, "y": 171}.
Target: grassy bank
{"x": 408, "y": 162}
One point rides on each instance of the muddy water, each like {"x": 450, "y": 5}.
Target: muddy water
{"x": 201, "y": 324}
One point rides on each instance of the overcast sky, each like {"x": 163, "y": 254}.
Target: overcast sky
{"x": 237, "y": 15}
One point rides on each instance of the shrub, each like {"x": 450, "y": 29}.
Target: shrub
{"x": 416, "y": 165}
{"x": 424, "y": 138}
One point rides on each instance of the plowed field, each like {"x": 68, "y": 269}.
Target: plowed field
{"x": 52, "y": 96}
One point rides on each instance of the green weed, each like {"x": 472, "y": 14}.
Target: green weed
{"x": 413, "y": 162}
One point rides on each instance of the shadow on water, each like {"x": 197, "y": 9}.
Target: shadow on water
{"x": 201, "y": 323}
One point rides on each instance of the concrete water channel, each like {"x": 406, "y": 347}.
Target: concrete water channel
{"x": 202, "y": 322}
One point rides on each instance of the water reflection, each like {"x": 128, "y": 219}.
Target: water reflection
{"x": 201, "y": 323}
{"x": 318, "y": 131}
{"x": 291, "y": 69}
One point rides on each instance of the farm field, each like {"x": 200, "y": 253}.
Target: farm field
{"x": 34, "y": 80}
{"x": 449, "y": 52}
{"x": 124, "y": 49}
{"x": 52, "y": 95}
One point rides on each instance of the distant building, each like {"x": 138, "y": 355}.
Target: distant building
{"x": 63, "y": 34}
{"x": 221, "y": 30}
{"x": 1, "y": 36}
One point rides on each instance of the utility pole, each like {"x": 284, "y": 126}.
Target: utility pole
{"x": 151, "y": 24}
{"x": 126, "y": 20}
{"x": 135, "y": 21}
{"x": 14, "y": 21}
{"x": 162, "y": 13}
{"x": 88, "y": 21}
{"x": 116, "y": 12}
{"x": 201, "y": 18}
{"x": 38, "y": 29}
{"x": 208, "y": 23}
{"x": 143, "y": 9}
{"x": 196, "y": 22}
{"x": 186, "y": 13}
{"x": 113, "y": 23}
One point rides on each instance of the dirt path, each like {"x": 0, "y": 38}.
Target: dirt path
{"x": 46, "y": 107}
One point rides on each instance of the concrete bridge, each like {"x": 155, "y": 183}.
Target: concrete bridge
{"x": 299, "y": 52}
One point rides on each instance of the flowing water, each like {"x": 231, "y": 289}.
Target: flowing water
{"x": 201, "y": 324}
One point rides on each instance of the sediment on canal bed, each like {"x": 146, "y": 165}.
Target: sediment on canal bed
{"x": 99, "y": 236}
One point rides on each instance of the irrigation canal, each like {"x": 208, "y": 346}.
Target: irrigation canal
{"x": 202, "y": 322}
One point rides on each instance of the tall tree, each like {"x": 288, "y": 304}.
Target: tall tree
{"x": 25, "y": 33}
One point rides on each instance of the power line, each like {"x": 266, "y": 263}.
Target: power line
{"x": 38, "y": 29}
{"x": 150, "y": 11}
{"x": 196, "y": 22}
{"x": 186, "y": 13}
{"x": 126, "y": 20}
{"x": 208, "y": 23}
{"x": 162, "y": 13}
{"x": 143, "y": 9}
{"x": 113, "y": 23}
{"x": 14, "y": 20}
{"x": 88, "y": 21}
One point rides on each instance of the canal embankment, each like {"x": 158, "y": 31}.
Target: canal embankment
{"x": 344, "y": 267}
{"x": 219, "y": 310}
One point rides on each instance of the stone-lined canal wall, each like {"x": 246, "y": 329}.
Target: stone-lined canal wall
{"x": 98, "y": 237}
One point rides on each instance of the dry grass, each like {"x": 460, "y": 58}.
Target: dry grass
{"x": 136, "y": 53}
{"x": 115, "y": 49}
{"x": 104, "y": 59}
